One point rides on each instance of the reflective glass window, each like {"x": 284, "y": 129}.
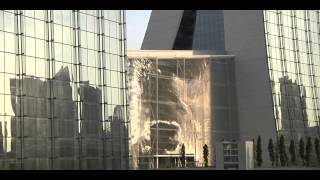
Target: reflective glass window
{"x": 30, "y": 66}
{"x": 84, "y": 56}
{"x": 83, "y": 21}
{"x": 10, "y": 63}
{"x": 9, "y": 41}
{"x": 40, "y": 48}
{"x": 58, "y": 33}
{"x": 1, "y": 20}
{"x": 29, "y": 13}
{"x": 67, "y": 53}
{"x": 67, "y": 35}
{"x": 41, "y": 69}
{"x": 83, "y": 37}
{"x": 29, "y": 26}
{"x": 48, "y": 66}
{"x": 91, "y": 23}
{"x": 92, "y": 58}
{"x": 91, "y": 40}
{"x": 39, "y": 14}
{"x": 1, "y": 86}
{"x": 1, "y": 41}
{"x": 30, "y": 46}
{"x": 114, "y": 45}
{"x": 57, "y": 17}
{"x": 67, "y": 17}
{"x": 1, "y": 62}
{"x": 39, "y": 28}
{"x": 8, "y": 19}
{"x": 113, "y": 29}
{"x": 58, "y": 51}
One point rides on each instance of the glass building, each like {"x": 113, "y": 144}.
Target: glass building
{"x": 178, "y": 98}
{"x": 63, "y": 90}
{"x": 277, "y": 67}
{"x": 292, "y": 40}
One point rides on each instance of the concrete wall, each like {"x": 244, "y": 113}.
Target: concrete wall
{"x": 244, "y": 38}
{"x": 162, "y": 29}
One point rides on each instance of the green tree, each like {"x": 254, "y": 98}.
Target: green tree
{"x": 292, "y": 151}
{"x": 271, "y": 151}
{"x": 259, "y": 152}
{"x": 301, "y": 151}
{"x": 205, "y": 154}
{"x": 183, "y": 155}
{"x": 282, "y": 152}
{"x": 317, "y": 149}
{"x": 308, "y": 151}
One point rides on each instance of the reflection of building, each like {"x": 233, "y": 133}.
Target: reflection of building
{"x": 36, "y": 120}
{"x": 91, "y": 126}
{"x": 277, "y": 72}
{"x": 33, "y": 121}
{"x": 292, "y": 103}
{"x": 57, "y": 92}
{"x": 119, "y": 134}
{"x": 294, "y": 116}
{"x": 1, "y": 141}
{"x": 180, "y": 97}
{"x": 65, "y": 126}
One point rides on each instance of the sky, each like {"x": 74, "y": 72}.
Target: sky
{"x": 137, "y": 22}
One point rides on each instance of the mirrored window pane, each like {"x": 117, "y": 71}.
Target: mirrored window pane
{"x": 10, "y": 42}
{"x": 40, "y": 48}
{"x": 29, "y": 26}
{"x": 67, "y": 17}
{"x": 30, "y": 46}
{"x": 1, "y": 20}
{"x": 1, "y": 41}
{"x": 58, "y": 33}
{"x": 10, "y": 63}
{"x": 1, "y": 62}
{"x": 8, "y": 19}
{"x": 30, "y": 66}
{"x": 40, "y": 14}
{"x": 53, "y": 87}
{"x": 39, "y": 28}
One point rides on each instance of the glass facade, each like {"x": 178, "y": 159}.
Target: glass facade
{"x": 63, "y": 90}
{"x": 209, "y": 30}
{"x": 184, "y": 37}
{"x": 200, "y": 30}
{"x": 179, "y": 100}
{"x": 292, "y": 40}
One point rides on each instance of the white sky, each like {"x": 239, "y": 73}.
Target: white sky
{"x": 137, "y": 22}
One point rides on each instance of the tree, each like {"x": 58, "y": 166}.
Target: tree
{"x": 282, "y": 152}
{"x": 317, "y": 149}
{"x": 308, "y": 151}
{"x": 259, "y": 152}
{"x": 292, "y": 151}
{"x": 276, "y": 153}
{"x": 271, "y": 151}
{"x": 183, "y": 155}
{"x": 301, "y": 151}
{"x": 205, "y": 155}
{"x": 254, "y": 151}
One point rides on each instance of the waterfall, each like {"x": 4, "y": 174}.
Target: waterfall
{"x": 186, "y": 114}
{"x": 140, "y": 130}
